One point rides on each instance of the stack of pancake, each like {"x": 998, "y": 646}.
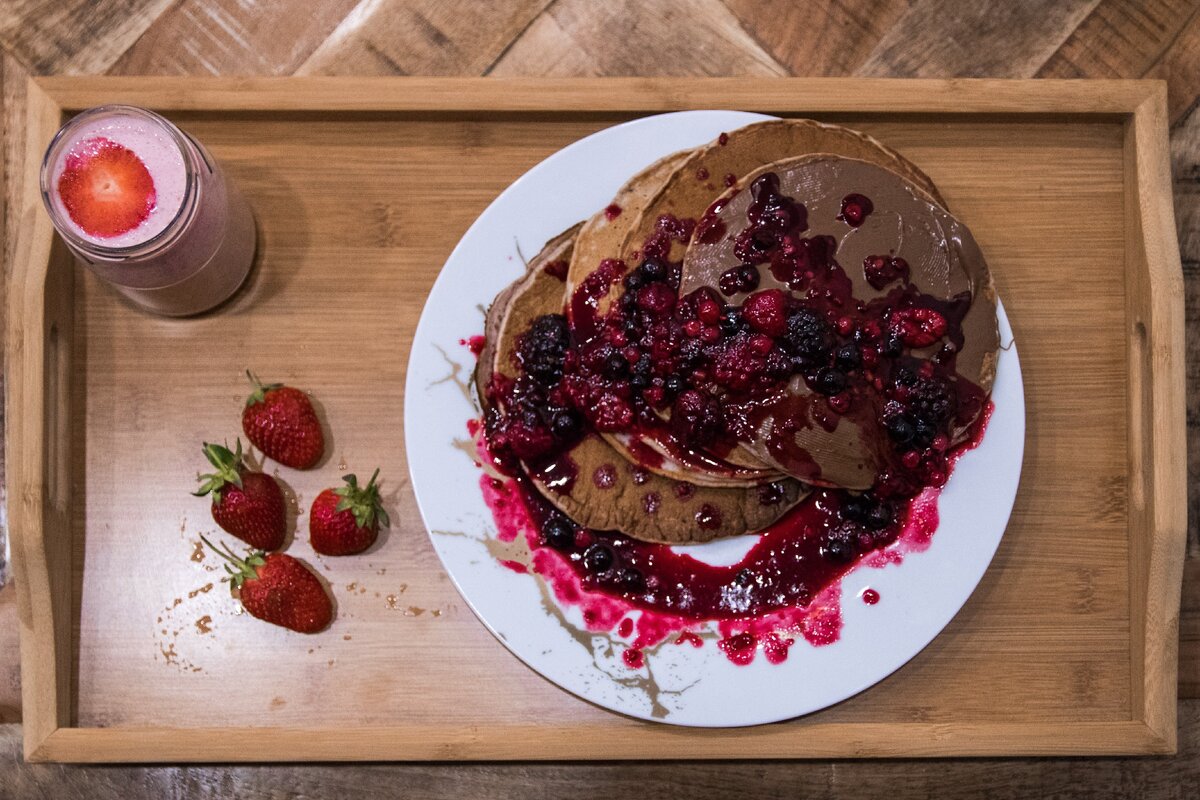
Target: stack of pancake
{"x": 690, "y": 208}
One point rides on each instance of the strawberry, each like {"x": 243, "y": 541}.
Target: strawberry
{"x": 280, "y": 421}
{"x": 278, "y": 589}
{"x": 106, "y": 188}
{"x": 246, "y": 503}
{"x": 346, "y": 520}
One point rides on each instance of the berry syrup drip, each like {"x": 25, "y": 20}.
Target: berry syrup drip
{"x": 808, "y": 549}
{"x": 787, "y": 582}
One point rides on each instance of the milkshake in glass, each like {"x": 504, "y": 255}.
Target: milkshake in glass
{"x": 146, "y": 208}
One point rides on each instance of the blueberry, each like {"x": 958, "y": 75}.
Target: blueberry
{"x": 652, "y": 270}
{"x": 900, "y": 429}
{"x": 847, "y": 357}
{"x": 639, "y": 380}
{"x": 923, "y": 432}
{"x": 559, "y": 533}
{"x": 829, "y": 381}
{"x": 674, "y": 384}
{"x": 731, "y": 321}
{"x": 565, "y": 423}
{"x": 598, "y": 558}
{"x": 855, "y": 508}
{"x": 615, "y": 366}
{"x": 631, "y": 580}
{"x": 880, "y": 516}
{"x": 633, "y": 280}
{"x": 838, "y": 550}
{"x": 892, "y": 345}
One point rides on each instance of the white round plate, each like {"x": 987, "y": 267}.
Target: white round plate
{"x": 679, "y": 685}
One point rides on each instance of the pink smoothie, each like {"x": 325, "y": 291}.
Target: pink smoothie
{"x": 158, "y": 151}
{"x": 195, "y": 242}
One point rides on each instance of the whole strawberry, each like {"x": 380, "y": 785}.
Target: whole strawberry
{"x": 346, "y": 520}
{"x": 280, "y": 421}
{"x": 278, "y": 589}
{"x": 246, "y": 503}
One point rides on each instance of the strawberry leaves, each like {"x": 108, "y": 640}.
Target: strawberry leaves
{"x": 229, "y": 470}
{"x": 364, "y": 503}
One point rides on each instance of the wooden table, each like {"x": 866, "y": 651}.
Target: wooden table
{"x": 1020, "y": 38}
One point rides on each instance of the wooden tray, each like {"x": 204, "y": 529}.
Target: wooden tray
{"x": 361, "y": 188}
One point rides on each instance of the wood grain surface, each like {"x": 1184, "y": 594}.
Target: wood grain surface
{"x": 1104, "y": 38}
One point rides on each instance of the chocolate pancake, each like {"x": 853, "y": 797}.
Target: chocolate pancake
{"x": 689, "y": 190}
{"x": 899, "y": 220}
{"x": 601, "y": 238}
{"x": 708, "y": 170}
{"x": 591, "y": 482}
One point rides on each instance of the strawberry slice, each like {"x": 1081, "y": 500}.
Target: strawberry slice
{"x": 106, "y": 188}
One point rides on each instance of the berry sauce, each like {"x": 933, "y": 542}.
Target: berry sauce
{"x": 787, "y": 586}
{"x": 474, "y": 343}
{"x": 628, "y": 349}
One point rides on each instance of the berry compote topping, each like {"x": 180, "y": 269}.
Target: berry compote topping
{"x": 783, "y": 582}
{"x": 699, "y": 371}
{"x": 530, "y": 419}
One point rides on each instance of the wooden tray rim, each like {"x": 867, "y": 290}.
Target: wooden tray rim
{"x": 40, "y": 320}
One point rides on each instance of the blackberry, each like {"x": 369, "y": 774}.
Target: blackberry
{"x": 542, "y": 348}
{"x": 808, "y": 336}
{"x": 931, "y": 399}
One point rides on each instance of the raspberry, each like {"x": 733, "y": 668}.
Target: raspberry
{"x": 657, "y": 298}
{"x": 918, "y": 327}
{"x": 765, "y": 311}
